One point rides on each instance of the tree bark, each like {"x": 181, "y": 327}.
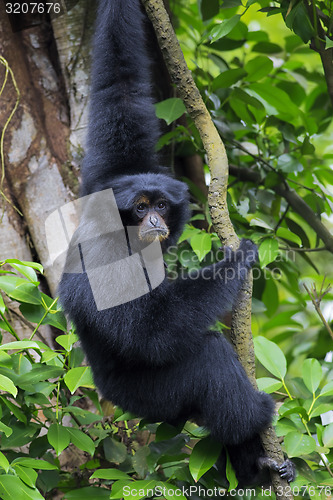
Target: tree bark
{"x": 43, "y": 143}
{"x": 35, "y": 140}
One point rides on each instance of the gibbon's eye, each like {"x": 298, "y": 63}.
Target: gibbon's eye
{"x": 161, "y": 205}
{"x": 142, "y": 207}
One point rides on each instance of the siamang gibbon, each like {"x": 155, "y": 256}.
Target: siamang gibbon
{"x": 156, "y": 355}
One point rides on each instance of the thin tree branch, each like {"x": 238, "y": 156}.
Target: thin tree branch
{"x": 294, "y": 200}
{"x": 316, "y": 300}
{"x": 218, "y": 164}
{"x": 296, "y": 249}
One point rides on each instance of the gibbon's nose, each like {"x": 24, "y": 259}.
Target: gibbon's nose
{"x": 154, "y": 221}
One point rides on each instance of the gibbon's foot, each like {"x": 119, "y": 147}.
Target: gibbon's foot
{"x": 286, "y": 470}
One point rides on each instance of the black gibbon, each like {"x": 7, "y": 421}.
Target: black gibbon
{"x": 155, "y": 355}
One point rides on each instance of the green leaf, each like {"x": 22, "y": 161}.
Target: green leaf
{"x": 7, "y": 385}
{"x": 286, "y": 234}
{"x": 34, "y": 463}
{"x": 287, "y": 163}
{"x": 298, "y": 21}
{"x": 5, "y": 429}
{"x": 270, "y": 296}
{"x": 258, "y": 67}
{"x": 48, "y": 356}
{"x": 278, "y": 101}
{"x": 134, "y": 490}
{"x": 34, "y": 314}
{"x": 320, "y": 409}
{"x": 312, "y": 374}
{"x": 268, "y": 384}
{"x": 201, "y": 244}
{"x": 24, "y": 269}
{"x": 2, "y": 305}
{"x": 188, "y": 259}
{"x": 327, "y": 390}
{"x": 209, "y": 9}
{"x": 228, "y": 78}
{"x": 224, "y": 28}
{"x": 204, "y": 455}
{"x": 283, "y": 426}
{"x": 268, "y": 251}
{"x": 67, "y": 341}
{"x": 81, "y": 440}
{"x": 195, "y": 431}
{"x": 33, "y": 265}
{"x": 139, "y": 461}
{"x": 290, "y": 407}
{"x": 272, "y": 179}
{"x": 267, "y": 48}
{"x": 4, "y": 464}
{"x": 165, "y": 431}
{"x": 188, "y": 233}
{"x": 115, "y": 451}
{"x": 20, "y": 344}
{"x": 247, "y": 99}
{"x": 12, "y": 488}
{"x": 230, "y": 474}
{"x": 328, "y": 436}
{"x": 26, "y": 292}
{"x": 39, "y": 372}
{"x": 329, "y": 43}
{"x": 256, "y": 221}
{"x": 242, "y": 110}
{"x": 90, "y": 492}
{"x": 307, "y": 147}
{"x": 8, "y": 283}
{"x": 58, "y": 437}
{"x": 79, "y": 377}
{"x": 118, "y": 489}
{"x": 111, "y": 474}
{"x": 298, "y": 444}
{"x": 28, "y": 476}
{"x": 170, "y": 109}
{"x": 170, "y": 491}
{"x": 21, "y": 435}
{"x": 270, "y": 356}
{"x": 197, "y": 217}
{"x": 15, "y": 410}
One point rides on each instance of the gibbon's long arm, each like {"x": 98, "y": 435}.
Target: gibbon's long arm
{"x": 123, "y": 128}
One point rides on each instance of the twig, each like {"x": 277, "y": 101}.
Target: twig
{"x": 296, "y": 249}
{"x": 2, "y": 137}
{"x": 316, "y": 299}
{"x": 294, "y": 200}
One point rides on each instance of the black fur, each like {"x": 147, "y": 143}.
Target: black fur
{"x": 155, "y": 356}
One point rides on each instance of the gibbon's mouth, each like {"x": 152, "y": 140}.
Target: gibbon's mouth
{"x": 154, "y": 234}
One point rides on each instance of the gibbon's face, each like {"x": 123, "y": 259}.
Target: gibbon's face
{"x": 151, "y": 218}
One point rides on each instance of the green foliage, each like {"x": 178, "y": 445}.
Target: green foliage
{"x": 203, "y": 457}
{"x": 170, "y": 109}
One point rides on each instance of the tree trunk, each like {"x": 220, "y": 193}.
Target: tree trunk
{"x": 43, "y": 140}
